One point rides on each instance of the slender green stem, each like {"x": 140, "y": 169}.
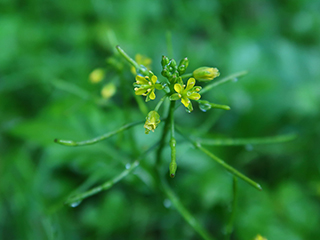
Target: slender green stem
{"x": 187, "y": 75}
{"x": 71, "y": 143}
{"x": 164, "y": 186}
{"x": 223, "y": 164}
{"x": 229, "y": 228}
{"x": 173, "y": 142}
{"x": 127, "y": 57}
{"x": 191, "y": 220}
{"x": 76, "y": 199}
{"x": 224, "y": 107}
{"x": 229, "y": 168}
{"x": 223, "y": 80}
{"x": 160, "y": 103}
{"x": 163, "y": 136}
{"x": 246, "y": 141}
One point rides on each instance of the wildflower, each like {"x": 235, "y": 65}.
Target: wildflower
{"x": 152, "y": 120}
{"x": 108, "y": 90}
{"x": 141, "y": 60}
{"x": 96, "y": 75}
{"x": 205, "y": 74}
{"x": 186, "y": 93}
{"x": 146, "y": 86}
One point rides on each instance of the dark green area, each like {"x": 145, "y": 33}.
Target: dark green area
{"x": 47, "y": 51}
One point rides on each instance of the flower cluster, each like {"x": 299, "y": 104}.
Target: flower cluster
{"x": 186, "y": 93}
{"x": 146, "y": 86}
{"x": 176, "y": 85}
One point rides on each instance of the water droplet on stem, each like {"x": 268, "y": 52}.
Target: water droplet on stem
{"x": 75, "y": 204}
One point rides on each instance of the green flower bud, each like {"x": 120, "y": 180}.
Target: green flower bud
{"x": 205, "y": 74}
{"x": 152, "y": 121}
{"x": 173, "y": 169}
{"x": 173, "y": 63}
{"x": 165, "y": 72}
{"x": 183, "y": 65}
{"x": 164, "y": 61}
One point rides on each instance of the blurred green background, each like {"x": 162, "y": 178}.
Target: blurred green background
{"x": 47, "y": 51}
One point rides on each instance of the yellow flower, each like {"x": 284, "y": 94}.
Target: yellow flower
{"x": 259, "y": 237}
{"x": 96, "y": 75}
{"x": 108, "y": 90}
{"x": 205, "y": 74}
{"x": 141, "y": 60}
{"x": 152, "y": 120}
{"x": 146, "y": 86}
{"x": 185, "y": 93}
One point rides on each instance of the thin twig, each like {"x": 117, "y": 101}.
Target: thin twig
{"x": 71, "y": 143}
{"x": 223, "y": 80}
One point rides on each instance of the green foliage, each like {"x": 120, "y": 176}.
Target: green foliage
{"x": 48, "y": 50}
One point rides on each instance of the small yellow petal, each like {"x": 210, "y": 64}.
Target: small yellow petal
{"x": 139, "y": 91}
{"x": 185, "y": 101}
{"x": 141, "y": 80}
{"x": 178, "y": 88}
{"x": 195, "y": 96}
{"x": 152, "y": 96}
{"x": 154, "y": 79}
{"x": 191, "y": 83}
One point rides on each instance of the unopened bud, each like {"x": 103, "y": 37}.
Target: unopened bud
{"x": 205, "y": 74}
{"x": 164, "y": 61}
{"x": 183, "y": 65}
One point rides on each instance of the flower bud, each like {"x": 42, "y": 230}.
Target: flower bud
{"x": 183, "y": 65}
{"x": 173, "y": 63}
{"x": 205, "y": 74}
{"x": 164, "y": 61}
{"x": 165, "y": 72}
{"x": 152, "y": 121}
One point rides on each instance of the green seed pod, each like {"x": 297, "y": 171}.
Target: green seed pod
{"x": 173, "y": 169}
{"x": 164, "y": 61}
{"x": 205, "y": 74}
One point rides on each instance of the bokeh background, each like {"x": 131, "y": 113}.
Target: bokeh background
{"x": 47, "y": 51}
